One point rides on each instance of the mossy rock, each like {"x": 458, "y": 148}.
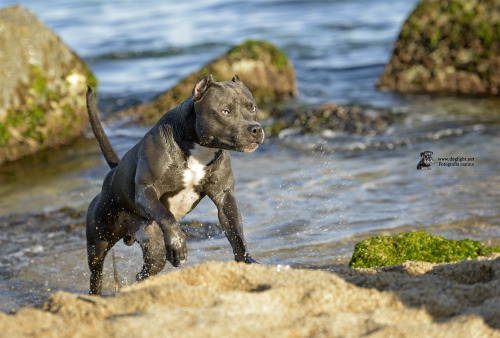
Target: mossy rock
{"x": 263, "y": 68}
{"x": 329, "y": 116}
{"x": 414, "y": 246}
{"x": 42, "y": 96}
{"x": 447, "y": 46}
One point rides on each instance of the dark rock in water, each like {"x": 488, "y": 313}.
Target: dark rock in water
{"x": 329, "y": 116}
{"x": 43, "y": 84}
{"x": 73, "y": 220}
{"x": 263, "y": 68}
{"x": 450, "y": 46}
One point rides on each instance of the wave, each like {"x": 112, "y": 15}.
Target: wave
{"x": 157, "y": 53}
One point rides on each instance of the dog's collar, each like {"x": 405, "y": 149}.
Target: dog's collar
{"x": 216, "y": 156}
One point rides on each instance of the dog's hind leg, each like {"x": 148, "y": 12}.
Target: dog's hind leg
{"x": 97, "y": 251}
{"x": 102, "y": 234}
{"x": 150, "y": 238}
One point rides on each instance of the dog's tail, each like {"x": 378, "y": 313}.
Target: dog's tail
{"x": 106, "y": 148}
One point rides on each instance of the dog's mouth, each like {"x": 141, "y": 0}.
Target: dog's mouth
{"x": 251, "y": 147}
{"x": 234, "y": 144}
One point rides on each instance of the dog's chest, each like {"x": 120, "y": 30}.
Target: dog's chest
{"x": 182, "y": 203}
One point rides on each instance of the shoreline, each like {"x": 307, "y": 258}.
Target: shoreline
{"x": 450, "y": 299}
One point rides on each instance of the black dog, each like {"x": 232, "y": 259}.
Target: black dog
{"x": 426, "y": 161}
{"x": 182, "y": 159}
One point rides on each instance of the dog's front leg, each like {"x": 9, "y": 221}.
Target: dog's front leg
{"x": 148, "y": 201}
{"x": 230, "y": 220}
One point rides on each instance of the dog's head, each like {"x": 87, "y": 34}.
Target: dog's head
{"x": 427, "y": 157}
{"x": 226, "y": 115}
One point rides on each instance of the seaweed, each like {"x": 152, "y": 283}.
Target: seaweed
{"x": 381, "y": 251}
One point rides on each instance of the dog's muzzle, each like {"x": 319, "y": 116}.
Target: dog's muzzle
{"x": 257, "y": 136}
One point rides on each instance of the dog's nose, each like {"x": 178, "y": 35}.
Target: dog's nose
{"x": 255, "y": 130}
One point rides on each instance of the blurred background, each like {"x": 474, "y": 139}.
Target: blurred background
{"x": 305, "y": 199}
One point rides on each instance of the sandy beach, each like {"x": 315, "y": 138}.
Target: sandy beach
{"x": 414, "y": 299}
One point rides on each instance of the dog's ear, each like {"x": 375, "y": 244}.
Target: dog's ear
{"x": 201, "y": 87}
{"x": 422, "y": 153}
{"x": 236, "y": 78}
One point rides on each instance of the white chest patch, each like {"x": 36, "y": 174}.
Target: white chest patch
{"x": 182, "y": 203}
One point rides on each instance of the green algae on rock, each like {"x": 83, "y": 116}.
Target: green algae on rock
{"x": 381, "y": 251}
{"x": 42, "y": 97}
{"x": 263, "y": 68}
{"x": 447, "y": 46}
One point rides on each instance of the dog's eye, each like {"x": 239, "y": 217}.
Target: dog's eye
{"x": 225, "y": 112}
{"x": 254, "y": 109}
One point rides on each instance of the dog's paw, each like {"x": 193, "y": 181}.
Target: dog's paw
{"x": 249, "y": 260}
{"x": 177, "y": 250}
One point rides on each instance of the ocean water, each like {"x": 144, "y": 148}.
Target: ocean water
{"x": 305, "y": 200}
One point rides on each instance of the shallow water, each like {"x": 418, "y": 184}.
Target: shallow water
{"x": 305, "y": 200}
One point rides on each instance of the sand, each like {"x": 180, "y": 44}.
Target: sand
{"x": 413, "y": 299}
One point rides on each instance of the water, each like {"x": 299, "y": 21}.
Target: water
{"x": 305, "y": 200}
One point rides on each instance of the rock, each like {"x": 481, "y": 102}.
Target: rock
{"x": 329, "y": 116}
{"x": 73, "y": 220}
{"x": 414, "y": 246}
{"x": 263, "y": 68}
{"x": 447, "y": 46}
{"x": 42, "y": 96}
{"x": 236, "y": 299}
